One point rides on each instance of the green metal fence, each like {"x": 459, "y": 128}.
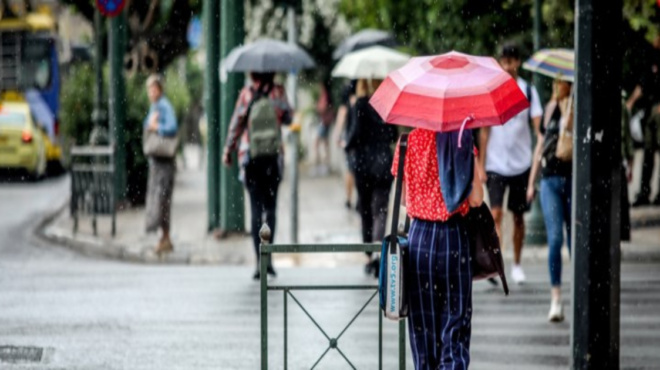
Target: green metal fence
{"x": 288, "y": 292}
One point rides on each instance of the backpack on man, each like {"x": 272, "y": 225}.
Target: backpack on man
{"x": 264, "y": 132}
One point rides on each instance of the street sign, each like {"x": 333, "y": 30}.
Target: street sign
{"x": 110, "y": 8}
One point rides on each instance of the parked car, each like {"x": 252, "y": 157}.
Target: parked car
{"x": 22, "y": 142}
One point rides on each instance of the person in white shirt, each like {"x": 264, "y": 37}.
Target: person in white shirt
{"x": 505, "y": 157}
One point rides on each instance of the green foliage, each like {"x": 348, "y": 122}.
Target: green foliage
{"x": 558, "y": 23}
{"x": 77, "y": 103}
{"x": 477, "y": 26}
{"x": 434, "y": 26}
{"x": 194, "y": 80}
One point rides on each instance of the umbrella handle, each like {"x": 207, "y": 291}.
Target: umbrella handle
{"x": 460, "y": 132}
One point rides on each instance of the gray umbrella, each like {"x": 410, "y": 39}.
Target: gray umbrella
{"x": 268, "y": 55}
{"x": 363, "y": 39}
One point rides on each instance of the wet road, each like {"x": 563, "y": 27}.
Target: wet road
{"x": 82, "y": 313}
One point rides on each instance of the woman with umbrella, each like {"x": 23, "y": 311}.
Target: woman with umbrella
{"x": 555, "y": 167}
{"x": 368, "y": 145}
{"x": 441, "y": 96}
{"x": 254, "y": 130}
{"x": 368, "y": 141}
{"x": 555, "y": 186}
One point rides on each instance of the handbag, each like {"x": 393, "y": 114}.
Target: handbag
{"x": 155, "y": 145}
{"x": 485, "y": 248}
{"x": 394, "y": 255}
{"x": 636, "y": 130}
{"x": 564, "y": 149}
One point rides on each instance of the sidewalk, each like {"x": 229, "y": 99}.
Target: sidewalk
{"x": 323, "y": 218}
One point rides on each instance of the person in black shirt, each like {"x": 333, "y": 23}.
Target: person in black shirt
{"x": 555, "y": 187}
{"x": 368, "y": 144}
{"x": 646, "y": 96}
{"x": 342, "y": 125}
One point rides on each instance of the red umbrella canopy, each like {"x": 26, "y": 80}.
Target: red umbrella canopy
{"x": 449, "y": 92}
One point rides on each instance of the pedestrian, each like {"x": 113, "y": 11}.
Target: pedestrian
{"x": 647, "y": 96}
{"x": 556, "y": 185}
{"x": 255, "y": 132}
{"x": 506, "y": 159}
{"x": 369, "y": 143}
{"x": 342, "y": 126}
{"x": 628, "y": 157}
{"x": 326, "y": 116}
{"x": 161, "y": 120}
{"x": 439, "y": 274}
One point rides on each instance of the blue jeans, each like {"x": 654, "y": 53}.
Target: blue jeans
{"x": 556, "y": 205}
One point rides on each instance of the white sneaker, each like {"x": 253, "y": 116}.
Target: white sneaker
{"x": 517, "y": 274}
{"x": 556, "y": 313}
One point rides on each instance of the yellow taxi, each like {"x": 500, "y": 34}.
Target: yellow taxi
{"x": 22, "y": 142}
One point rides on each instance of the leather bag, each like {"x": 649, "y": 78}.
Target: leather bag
{"x": 485, "y": 248}
{"x": 155, "y": 145}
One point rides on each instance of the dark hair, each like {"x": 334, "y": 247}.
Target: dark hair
{"x": 510, "y": 50}
{"x": 263, "y": 77}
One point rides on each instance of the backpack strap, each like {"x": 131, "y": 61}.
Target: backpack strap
{"x": 529, "y": 99}
{"x": 403, "y": 145}
{"x": 263, "y": 90}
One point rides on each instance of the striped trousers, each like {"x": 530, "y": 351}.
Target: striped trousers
{"x": 439, "y": 279}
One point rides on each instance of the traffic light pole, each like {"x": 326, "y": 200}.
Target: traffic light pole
{"x": 117, "y": 101}
{"x": 535, "y": 233}
{"x": 232, "y": 33}
{"x": 596, "y": 186}
{"x": 99, "y": 115}
{"x": 294, "y": 136}
{"x": 211, "y": 106}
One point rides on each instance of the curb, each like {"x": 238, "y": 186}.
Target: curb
{"x": 92, "y": 247}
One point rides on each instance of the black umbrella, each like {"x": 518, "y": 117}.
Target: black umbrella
{"x": 363, "y": 39}
{"x": 268, "y": 55}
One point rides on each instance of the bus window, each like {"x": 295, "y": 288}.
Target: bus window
{"x": 36, "y": 71}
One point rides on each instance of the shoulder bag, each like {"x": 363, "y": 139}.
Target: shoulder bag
{"x": 392, "y": 275}
{"x": 155, "y": 145}
{"x": 485, "y": 248}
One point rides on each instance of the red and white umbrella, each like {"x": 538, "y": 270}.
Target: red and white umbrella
{"x": 449, "y": 92}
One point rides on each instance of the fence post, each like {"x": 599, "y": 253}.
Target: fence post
{"x": 264, "y": 256}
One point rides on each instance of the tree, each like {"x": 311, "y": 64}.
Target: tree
{"x": 157, "y": 29}
{"x": 436, "y": 26}
{"x": 478, "y": 26}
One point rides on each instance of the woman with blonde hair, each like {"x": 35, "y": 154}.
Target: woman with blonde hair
{"x": 556, "y": 173}
{"x": 369, "y": 144}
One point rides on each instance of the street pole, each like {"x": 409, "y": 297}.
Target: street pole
{"x": 535, "y": 233}
{"x": 117, "y": 101}
{"x": 537, "y": 25}
{"x": 99, "y": 114}
{"x": 596, "y": 186}
{"x": 232, "y": 33}
{"x": 294, "y": 136}
{"x": 211, "y": 97}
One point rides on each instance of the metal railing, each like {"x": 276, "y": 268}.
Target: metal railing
{"x": 92, "y": 184}
{"x": 266, "y": 252}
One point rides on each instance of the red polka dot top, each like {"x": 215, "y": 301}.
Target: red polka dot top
{"x": 423, "y": 196}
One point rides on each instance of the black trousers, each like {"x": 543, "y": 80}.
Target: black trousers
{"x": 262, "y": 178}
{"x": 625, "y": 208}
{"x": 651, "y": 145}
{"x": 374, "y": 195}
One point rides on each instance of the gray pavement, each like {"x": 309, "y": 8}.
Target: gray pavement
{"x": 95, "y": 313}
{"x": 322, "y": 219}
